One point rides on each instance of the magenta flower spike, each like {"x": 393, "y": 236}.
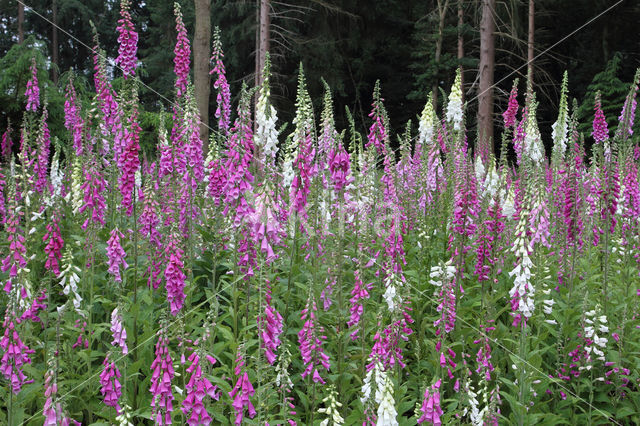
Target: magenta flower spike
{"x": 93, "y": 187}
{"x": 198, "y": 387}
{"x": 16, "y": 258}
{"x": 600, "y": 130}
{"x": 509, "y": 116}
{"x": 72, "y": 119}
{"x": 240, "y": 394}
{"x": 130, "y": 161}
{"x": 53, "y": 249}
{"x": 431, "y": 410}
{"x": 271, "y": 325}
{"x": 116, "y": 254}
{"x": 110, "y": 387}
{"x": 7, "y": 143}
{"x": 174, "y": 276}
{"x": 162, "y": 374}
{"x": 127, "y": 40}
{"x": 15, "y": 354}
{"x": 182, "y": 53}
{"x": 33, "y": 91}
{"x": 311, "y": 338}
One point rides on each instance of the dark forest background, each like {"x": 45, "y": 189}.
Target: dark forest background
{"x": 349, "y": 43}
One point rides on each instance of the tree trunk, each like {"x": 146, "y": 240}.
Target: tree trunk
{"x": 264, "y": 22}
{"x": 530, "y": 53}
{"x": 487, "y": 59}
{"x": 442, "y": 14}
{"x": 54, "y": 42}
{"x": 461, "y": 45}
{"x": 20, "y": 23}
{"x": 201, "y": 66}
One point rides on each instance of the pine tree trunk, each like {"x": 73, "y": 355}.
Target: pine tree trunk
{"x": 487, "y": 59}
{"x": 20, "y": 23}
{"x": 263, "y": 37}
{"x": 461, "y": 44}
{"x": 442, "y": 14}
{"x": 201, "y": 65}
{"x": 54, "y": 42}
{"x": 530, "y": 53}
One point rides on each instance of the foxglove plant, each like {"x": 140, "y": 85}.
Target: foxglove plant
{"x": 118, "y": 331}
{"x": 223, "y": 98}
{"x": 130, "y": 161}
{"x": 174, "y": 275}
{"x": 561, "y": 126}
{"x": 44, "y": 144}
{"x": 72, "y": 118}
{"x": 7, "y": 143}
{"x": 69, "y": 280}
{"x": 522, "y": 292}
{"x": 33, "y": 91}
{"x": 197, "y": 388}
{"x": 271, "y": 326}
{"x": 266, "y": 135}
{"x": 182, "y": 53}
{"x": 454, "y": 106}
{"x": 600, "y": 128}
{"x": 241, "y": 392}
{"x": 15, "y": 353}
{"x": 331, "y": 409}
{"x": 311, "y": 338}
{"x": 509, "y": 115}
{"x": 15, "y": 260}
{"x": 54, "y": 246}
{"x": 110, "y": 387}
{"x": 359, "y": 293}
{"x": 116, "y": 254}
{"x": 431, "y": 409}
{"x": 127, "y": 40}
{"x": 161, "y": 377}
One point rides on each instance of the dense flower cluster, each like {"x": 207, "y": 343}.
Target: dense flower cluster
{"x": 127, "y": 40}
{"x": 161, "y": 377}
{"x": 116, "y": 254}
{"x": 174, "y": 276}
{"x": 15, "y": 354}
{"x": 110, "y": 386}
{"x": 197, "y": 388}
{"x": 182, "y": 53}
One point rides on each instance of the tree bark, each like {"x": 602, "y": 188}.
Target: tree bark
{"x": 530, "y": 53}
{"x": 20, "y": 23}
{"x": 487, "y": 59}
{"x": 201, "y": 66}
{"x": 54, "y": 42}
{"x": 442, "y": 14}
{"x": 461, "y": 45}
{"x": 264, "y": 22}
